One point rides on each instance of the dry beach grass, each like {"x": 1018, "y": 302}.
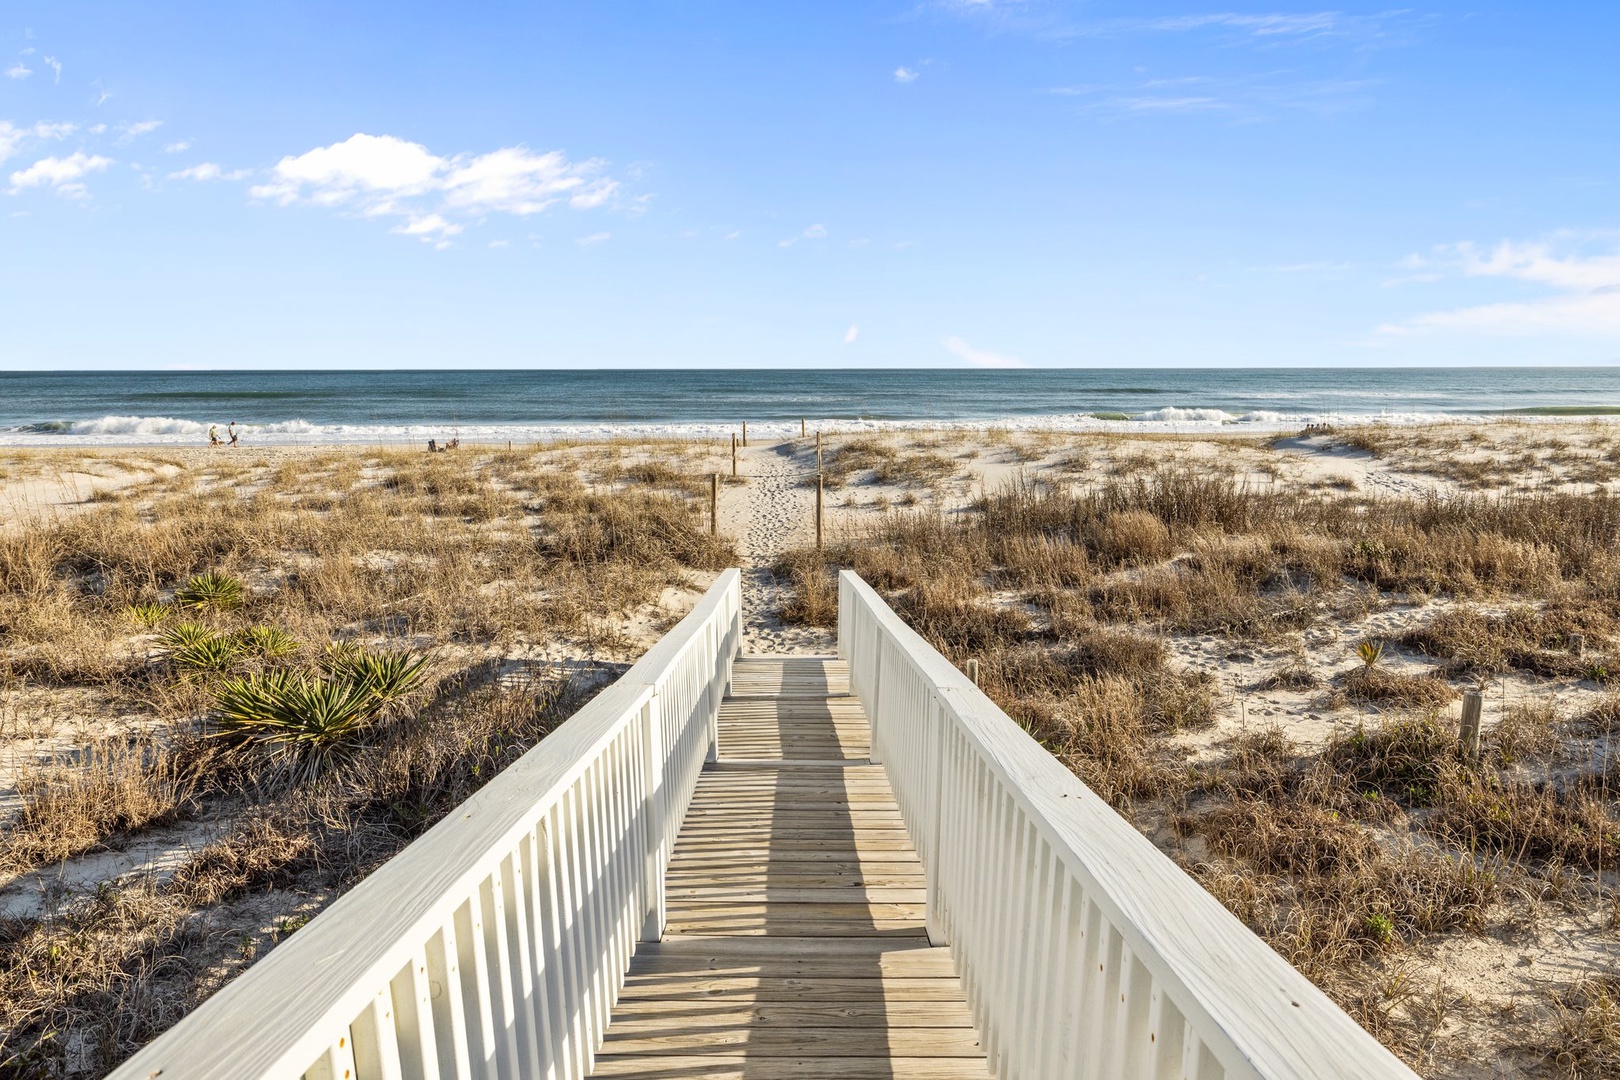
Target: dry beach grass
{"x": 1253, "y": 648}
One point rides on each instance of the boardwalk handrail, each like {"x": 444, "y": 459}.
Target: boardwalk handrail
{"x": 496, "y": 943}
{"x": 1083, "y": 949}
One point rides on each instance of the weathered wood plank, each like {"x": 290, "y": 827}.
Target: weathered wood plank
{"x": 826, "y": 1042}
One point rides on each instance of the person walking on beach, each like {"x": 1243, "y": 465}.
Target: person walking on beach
{"x": 231, "y": 431}
{"x": 213, "y": 434}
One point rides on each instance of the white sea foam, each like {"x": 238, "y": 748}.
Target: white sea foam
{"x": 173, "y": 431}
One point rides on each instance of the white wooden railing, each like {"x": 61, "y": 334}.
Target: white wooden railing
{"x": 1084, "y": 951}
{"x": 496, "y": 944}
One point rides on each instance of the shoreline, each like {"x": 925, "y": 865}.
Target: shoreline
{"x": 394, "y": 437}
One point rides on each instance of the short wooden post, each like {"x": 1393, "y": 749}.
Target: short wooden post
{"x": 818, "y": 510}
{"x": 801, "y": 427}
{"x": 745, "y": 433}
{"x": 818, "y": 451}
{"x": 1468, "y": 730}
{"x": 973, "y": 671}
{"x": 1577, "y": 645}
{"x": 733, "y": 453}
{"x": 714, "y": 504}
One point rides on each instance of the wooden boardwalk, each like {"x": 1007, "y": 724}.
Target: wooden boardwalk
{"x": 795, "y": 945}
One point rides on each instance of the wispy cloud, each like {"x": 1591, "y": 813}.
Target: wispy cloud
{"x": 1044, "y": 18}
{"x": 1241, "y": 98}
{"x": 381, "y": 175}
{"x": 56, "y": 67}
{"x": 179, "y": 146}
{"x": 1584, "y": 288}
{"x": 814, "y": 232}
{"x": 19, "y": 70}
{"x": 905, "y": 75}
{"x": 980, "y": 357}
{"x": 128, "y": 133}
{"x": 851, "y": 335}
{"x": 593, "y": 239}
{"x": 13, "y": 138}
{"x": 207, "y": 171}
{"x": 62, "y": 175}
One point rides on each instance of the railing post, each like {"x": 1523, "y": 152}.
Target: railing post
{"x": 937, "y": 721}
{"x": 652, "y": 752}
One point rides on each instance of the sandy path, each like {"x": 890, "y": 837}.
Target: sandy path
{"x": 772, "y": 511}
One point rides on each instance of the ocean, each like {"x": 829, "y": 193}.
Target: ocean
{"x": 107, "y": 408}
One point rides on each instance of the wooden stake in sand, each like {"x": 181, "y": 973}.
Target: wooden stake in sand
{"x": 973, "y": 671}
{"x": 818, "y": 510}
{"x": 733, "y": 453}
{"x": 818, "y": 451}
{"x": 1577, "y": 645}
{"x": 714, "y": 504}
{"x": 1468, "y": 730}
{"x": 801, "y": 427}
{"x": 745, "y": 433}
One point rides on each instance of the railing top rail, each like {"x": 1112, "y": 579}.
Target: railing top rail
{"x": 330, "y": 969}
{"x": 1235, "y": 990}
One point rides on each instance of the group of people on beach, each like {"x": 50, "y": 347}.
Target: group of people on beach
{"x": 213, "y": 434}
{"x": 434, "y": 445}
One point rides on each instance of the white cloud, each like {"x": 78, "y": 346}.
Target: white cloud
{"x": 18, "y": 71}
{"x": 207, "y": 171}
{"x": 430, "y": 227}
{"x": 851, "y": 335}
{"x": 131, "y": 132}
{"x": 178, "y": 147}
{"x": 377, "y": 175}
{"x": 593, "y": 239}
{"x": 60, "y": 174}
{"x": 814, "y": 232}
{"x": 980, "y": 357}
{"x": 56, "y": 66}
{"x": 1585, "y": 300}
{"x": 733, "y": 234}
{"x": 499, "y": 243}
{"x": 904, "y": 75}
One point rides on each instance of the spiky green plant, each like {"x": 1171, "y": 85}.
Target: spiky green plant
{"x": 212, "y": 655}
{"x": 387, "y": 675}
{"x": 147, "y": 615}
{"x": 1370, "y": 653}
{"x": 312, "y": 722}
{"x": 215, "y": 590}
{"x": 184, "y": 635}
{"x": 267, "y": 642}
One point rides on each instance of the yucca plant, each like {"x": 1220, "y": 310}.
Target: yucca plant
{"x": 388, "y": 676}
{"x": 212, "y": 655}
{"x": 312, "y": 721}
{"x": 267, "y": 642}
{"x": 1370, "y": 653}
{"x": 147, "y": 615}
{"x": 184, "y": 635}
{"x": 215, "y": 590}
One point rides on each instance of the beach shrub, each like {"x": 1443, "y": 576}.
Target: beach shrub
{"x": 147, "y": 615}
{"x": 211, "y": 590}
{"x": 267, "y": 642}
{"x": 387, "y": 676}
{"x": 312, "y": 722}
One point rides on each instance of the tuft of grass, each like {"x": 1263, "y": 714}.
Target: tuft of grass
{"x": 267, "y": 643}
{"x": 146, "y": 615}
{"x": 211, "y": 590}
{"x": 1378, "y": 684}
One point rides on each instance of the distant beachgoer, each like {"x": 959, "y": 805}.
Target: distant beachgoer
{"x": 231, "y": 430}
{"x": 213, "y": 434}
{"x": 433, "y": 446}
{"x": 452, "y": 444}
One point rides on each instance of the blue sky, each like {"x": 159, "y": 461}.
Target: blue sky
{"x": 707, "y": 183}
